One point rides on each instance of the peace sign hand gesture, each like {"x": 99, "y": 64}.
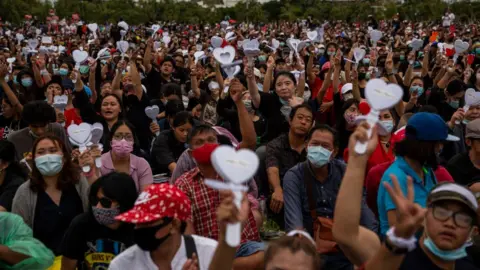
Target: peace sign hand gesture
{"x": 410, "y": 215}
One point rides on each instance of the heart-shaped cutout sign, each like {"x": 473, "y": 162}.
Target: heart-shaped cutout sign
{"x": 122, "y": 46}
{"x": 216, "y": 42}
{"x": 80, "y": 133}
{"x": 123, "y": 25}
{"x": 275, "y": 44}
{"x": 382, "y": 96}
{"x": 166, "y": 40}
{"x": 63, "y": 99}
{"x": 230, "y": 36}
{"x": 199, "y": 55}
{"x": 359, "y": 53}
{"x": 376, "y": 35}
{"x": 93, "y": 27}
{"x": 61, "y": 48}
{"x": 250, "y": 47}
{"x": 302, "y": 45}
{"x": 461, "y": 46}
{"x": 97, "y": 133}
{"x": 79, "y": 56}
{"x": 472, "y": 98}
{"x": 155, "y": 28}
{"x": 224, "y": 55}
{"x": 236, "y": 167}
{"x": 11, "y": 60}
{"x": 293, "y": 44}
{"x": 312, "y": 35}
{"x": 43, "y": 49}
{"x": 33, "y": 43}
{"x": 231, "y": 71}
{"x": 19, "y": 37}
{"x": 152, "y": 112}
{"x": 53, "y": 48}
{"x": 416, "y": 44}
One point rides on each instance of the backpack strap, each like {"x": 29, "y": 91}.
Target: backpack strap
{"x": 190, "y": 247}
{"x": 307, "y": 176}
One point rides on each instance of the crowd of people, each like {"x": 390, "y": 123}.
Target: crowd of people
{"x": 136, "y": 198}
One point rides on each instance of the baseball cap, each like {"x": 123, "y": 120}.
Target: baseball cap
{"x": 453, "y": 192}
{"x": 426, "y": 126}
{"x": 156, "y": 202}
{"x": 473, "y": 129}
{"x": 347, "y": 87}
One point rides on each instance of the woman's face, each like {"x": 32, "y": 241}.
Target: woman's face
{"x": 386, "y": 115}
{"x": 353, "y": 109}
{"x": 110, "y": 108}
{"x": 105, "y": 202}
{"x": 284, "y": 87}
{"x": 56, "y": 89}
{"x": 64, "y": 66}
{"x": 7, "y": 109}
{"x": 417, "y": 82}
{"x": 123, "y": 132}
{"x": 181, "y": 132}
{"x": 106, "y": 89}
{"x": 47, "y": 147}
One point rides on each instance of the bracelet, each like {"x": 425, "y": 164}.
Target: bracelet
{"x": 401, "y": 243}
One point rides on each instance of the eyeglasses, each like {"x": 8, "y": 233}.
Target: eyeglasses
{"x": 104, "y": 202}
{"x": 461, "y": 219}
{"x": 119, "y": 137}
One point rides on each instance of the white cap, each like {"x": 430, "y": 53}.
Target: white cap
{"x": 347, "y": 87}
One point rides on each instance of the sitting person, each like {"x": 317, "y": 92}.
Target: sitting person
{"x": 96, "y": 234}
{"x": 12, "y": 175}
{"x": 54, "y": 195}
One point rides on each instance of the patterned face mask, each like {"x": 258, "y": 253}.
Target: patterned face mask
{"x": 105, "y": 216}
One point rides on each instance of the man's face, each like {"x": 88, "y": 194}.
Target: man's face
{"x": 202, "y": 138}
{"x": 324, "y": 139}
{"x": 449, "y": 224}
{"x": 38, "y": 129}
{"x": 179, "y": 61}
{"x": 167, "y": 68}
{"x": 301, "y": 122}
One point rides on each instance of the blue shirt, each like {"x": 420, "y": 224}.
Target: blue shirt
{"x": 401, "y": 170}
{"x": 297, "y": 210}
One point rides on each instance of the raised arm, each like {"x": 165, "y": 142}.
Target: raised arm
{"x": 247, "y": 129}
{"x": 426, "y": 60}
{"x": 267, "y": 81}
{"x": 358, "y": 243}
{"x": 92, "y": 83}
{"x": 147, "y": 58}
{"x": 252, "y": 88}
{"x": 219, "y": 77}
{"x": 6, "y": 88}
{"x": 310, "y": 74}
{"x": 194, "y": 80}
{"x": 137, "y": 81}
{"x": 336, "y": 74}
{"x": 409, "y": 73}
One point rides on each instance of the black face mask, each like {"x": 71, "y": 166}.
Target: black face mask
{"x": 145, "y": 237}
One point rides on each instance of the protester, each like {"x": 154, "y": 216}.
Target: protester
{"x": 11, "y": 175}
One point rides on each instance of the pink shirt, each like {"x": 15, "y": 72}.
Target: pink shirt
{"x": 140, "y": 170}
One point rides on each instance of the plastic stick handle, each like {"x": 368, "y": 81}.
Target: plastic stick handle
{"x": 361, "y": 148}
{"x": 82, "y": 149}
{"x": 234, "y": 230}
{"x": 250, "y": 61}
{"x": 98, "y": 162}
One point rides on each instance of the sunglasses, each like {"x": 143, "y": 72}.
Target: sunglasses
{"x": 104, "y": 202}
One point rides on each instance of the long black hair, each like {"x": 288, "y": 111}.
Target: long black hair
{"x": 116, "y": 186}
{"x": 7, "y": 154}
{"x": 136, "y": 144}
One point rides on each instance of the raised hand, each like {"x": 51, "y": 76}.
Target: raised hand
{"x": 236, "y": 90}
{"x": 389, "y": 62}
{"x": 410, "y": 215}
{"x": 361, "y": 135}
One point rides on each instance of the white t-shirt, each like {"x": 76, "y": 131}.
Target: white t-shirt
{"x": 136, "y": 258}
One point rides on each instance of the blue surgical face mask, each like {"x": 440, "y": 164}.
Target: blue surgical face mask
{"x": 63, "y": 72}
{"x": 49, "y": 165}
{"x": 282, "y": 44}
{"x": 388, "y": 125}
{"x": 15, "y": 80}
{"x": 27, "y": 82}
{"x": 402, "y": 57}
{"x": 366, "y": 61}
{"x": 318, "y": 155}
{"x": 418, "y": 89}
{"x": 454, "y": 104}
{"x": 262, "y": 58}
{"x": 260, "y": 87}
{"x": 446, "y": 255}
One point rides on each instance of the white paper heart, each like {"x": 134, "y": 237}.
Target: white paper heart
{"x": 275, "y": 44}
{"x": 216, "y": 42}
{"x": 33, "y": 43}
{"x": 79, "y": 56}
{"x": 293, "y": 44}
{"x": 199, "y": 55}
{"x": 97, "y": 133}
{"x": 231, "y": 71}
{"x": 8, "y": 33}
{"x": 93, "y": 27}
{"x": 19, "y": 37}
{"x": 152, "y": 112}
{"x": 164, "y": 34}
{"x": 376, "y": 35}
{"x": 230, "y": 36}
{"x": 250, "y": 47}
{"x": 166, "y": 40}
{"x": 123, "y": 25}
{"x": 302, "y": 45}
{"x": 224, "y": 55}
{"x": 122, "y": 46}
{"x": 43, "y": 49}
{"x": 52, "y": 48}
{"x": 461, "y": 46}
{"x": 103, "y": 54}
{"x": 80, "y": 133}
{"x": 224, "y": 24}
{"x": 123, "y": 33}
{"x": 359, "y": 54}
{"x": 63, "y": 99}
{"x": 416, "y": 44}
{"x": 11, "y": 60}
{"x": 312, "y": 35}
{"x": 155, "y": 28}
{"x": 472, "y": 98}
{"x": 235, "y": 166}
{"x": 381, "y": 96}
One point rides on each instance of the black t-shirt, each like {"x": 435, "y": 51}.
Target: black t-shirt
{"x": 136, "y": 115}
{"x": 417, "y": 259}
{"x": 166, "y": 150}
{"x": 9, "y": 188}
{"x": 10, "y": 125}
{"x": 277, "y": 123}
{"x": 51, "y": 221}
{"x": 93, "y": 245}
{"x": 462, "y": 170}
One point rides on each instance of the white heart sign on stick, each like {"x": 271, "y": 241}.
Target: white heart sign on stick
{"x": 358, "y": 53}
{"x": 231, "y": 71}
{"x": 33, "y": 43}
{"x": 224, "y": 55}
{"x": 416, "y": 44}
{"x": 60, "y": 102}
{"x": 80, "y": 135}
{"x": 152, "y": 112}
{"x": 79, "y": 56}
{"x": 275, "y": 44}
{"x": 236, "y": 167}
{"x": 293, "y": 44}
{"x": 199, "y": 56}
{"x": 216, "y": 42}
{"x": 155, "y": 29}
{"x": 461, "y": 46}
{"x": 93, "y": 27}
{"x": 375, "y": 35}
{"x": 97, "y": 133}
{"x": 312, "y": 35}
{"x": 380, "y": 96}
{"x": 472, "y": 97}
{"x": 166, "y": 40}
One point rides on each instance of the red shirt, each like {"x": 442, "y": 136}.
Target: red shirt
{"x": 375, "y": 175}
{"x": 71, "y": 115}
{"x": 378, "y": 156}
{"x": 205, "y": 201}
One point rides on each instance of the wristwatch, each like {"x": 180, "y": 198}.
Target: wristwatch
{"x": 394, "y": 249}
